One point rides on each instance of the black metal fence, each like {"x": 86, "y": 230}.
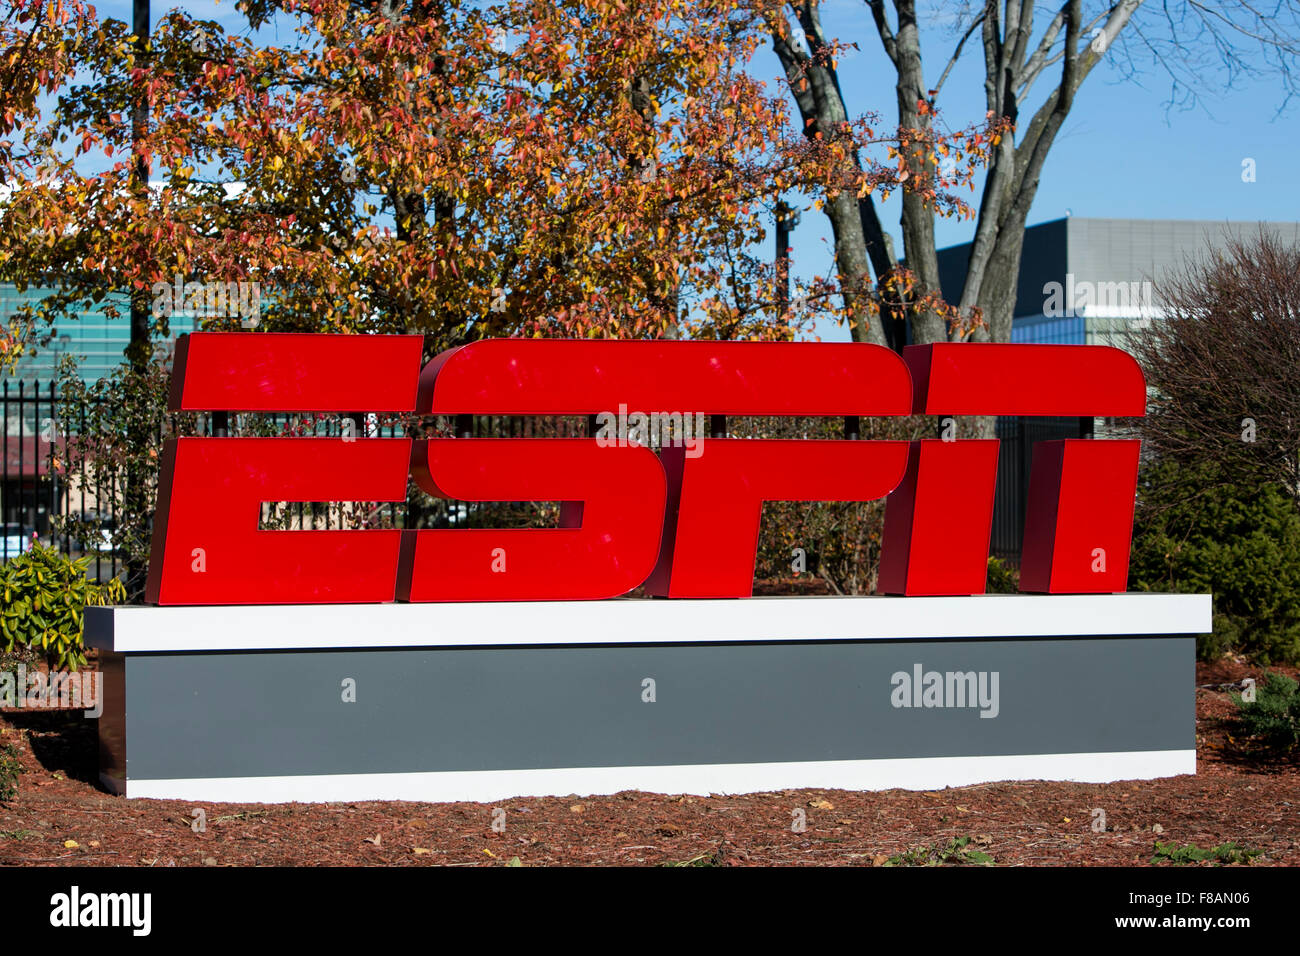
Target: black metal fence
{"x": 38, "y": 485}
{"x": 47, "y": 490}
{"x": 1015, "y": 455}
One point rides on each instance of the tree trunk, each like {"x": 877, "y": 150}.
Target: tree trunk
{"x": 918, "y": 218}
{"x": 854, "y": 225}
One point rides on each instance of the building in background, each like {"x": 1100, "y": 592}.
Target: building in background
{"x": 1084, "y": 282}
{"x": 94, "y": 339}
{"x": 97, "y": 341}
{"x": 32, "y": 490}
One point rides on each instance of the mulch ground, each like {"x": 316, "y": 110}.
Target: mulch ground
{"x": 61, "y": 817}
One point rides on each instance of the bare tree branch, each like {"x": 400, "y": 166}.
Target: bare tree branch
{"x": 956, "y": 54}
{"x": 882, "y": 28}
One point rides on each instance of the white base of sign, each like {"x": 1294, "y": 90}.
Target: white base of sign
{"x": 639, "y": 621}
{"x": 925, "y": 773}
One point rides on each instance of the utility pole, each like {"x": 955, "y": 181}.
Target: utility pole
{"x": 787, "y": 217}
{"x": 139, "y": 351}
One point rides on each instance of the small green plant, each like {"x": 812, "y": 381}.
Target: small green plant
{"x": 1191, "y": 853}
{"x": 10, "y": 768}
{"x": 1273, "y": 717}
{"x": 1003, "y": 578}
{"x": 44, "y": 597}
{"x": 700, "y": 859}
{"x": 21, "y": 654}
{"x": 958, "y": 852}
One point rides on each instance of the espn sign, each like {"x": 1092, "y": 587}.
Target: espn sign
{"x": 683, "y": 525}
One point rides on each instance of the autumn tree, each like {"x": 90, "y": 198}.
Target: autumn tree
{"x": 458, "y": 169}
{"x": 42, "y": 44}
{"x": 574, "y": 168}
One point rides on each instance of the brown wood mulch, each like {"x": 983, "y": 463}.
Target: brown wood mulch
{"x": 61, "y": 817}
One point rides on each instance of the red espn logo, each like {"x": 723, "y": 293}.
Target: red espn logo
{"x": 686, "y": 526}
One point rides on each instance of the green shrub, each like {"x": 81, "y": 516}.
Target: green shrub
{"x": 700, "y": 859}
{"x": 1003, "y": 578}
{"x": 1191, "y": 853}
{"x": 957, "y": 852}
{"x": 1273, "y": 717}
{"x": 1194, "y": 535}
{"x": 44, "y": 596}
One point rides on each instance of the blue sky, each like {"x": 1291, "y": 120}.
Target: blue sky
{"x": 1121, "y": 153}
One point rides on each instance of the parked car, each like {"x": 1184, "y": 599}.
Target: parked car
{"x": 14, "y": 540}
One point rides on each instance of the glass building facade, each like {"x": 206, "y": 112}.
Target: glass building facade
{"x": 92, "y": 337}
{"x": 1049, "y": 331}
{"x": 1073, "y": 330}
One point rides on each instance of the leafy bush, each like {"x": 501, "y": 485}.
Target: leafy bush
{"x": 1273, "y": 717}
{"x": 45, "y": 595}
{"x": 1195, "y": 535}
{"x": 1221, "y": 363}
{"x": 1003, "y": 578}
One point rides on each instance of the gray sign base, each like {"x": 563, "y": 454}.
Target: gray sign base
{"x": 701, "y": 710}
